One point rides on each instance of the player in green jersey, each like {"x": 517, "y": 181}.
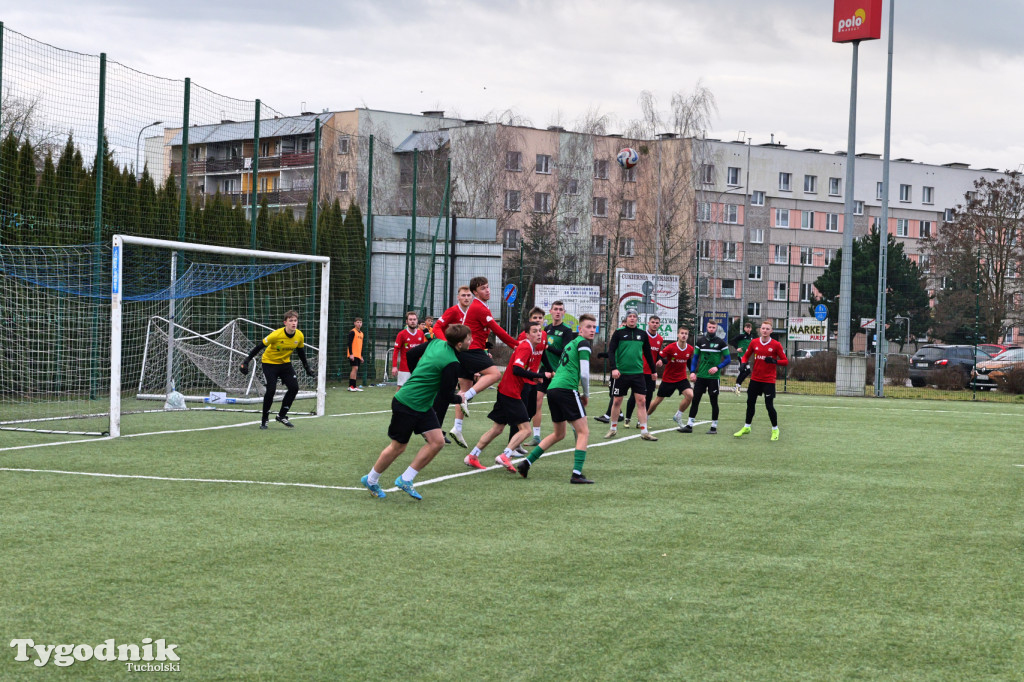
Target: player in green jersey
{"x": 711, "y": 356}
{"x": 558, "y": 335}
{"x": 435, "y": 367}
{"x": 628, "y": 350}
{"x": 565, "y": 401}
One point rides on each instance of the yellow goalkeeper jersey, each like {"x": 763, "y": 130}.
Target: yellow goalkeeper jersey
{"x": 280, "y": 346}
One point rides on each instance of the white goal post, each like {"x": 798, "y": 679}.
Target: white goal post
{"x": 120, "y": 263}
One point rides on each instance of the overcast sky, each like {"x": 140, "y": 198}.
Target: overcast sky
{"x": 958, "y": 66}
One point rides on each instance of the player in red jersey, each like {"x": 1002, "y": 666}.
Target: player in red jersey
{"x": 509, "y": 407}
{"x": 676, "y": 357}
{"x": 650, "y": 375}
{"x": 406, "y": 339}
{"x": 531, "y": 386}
{"x": 475, "y": 360}
{"x": 766, "y": 354}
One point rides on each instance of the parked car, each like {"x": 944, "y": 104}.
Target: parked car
{"x": 929, "y": 361}
{"x": 808, "y": 353}
{"x": 989, "y": 372}
{"x": 995, "y": 349}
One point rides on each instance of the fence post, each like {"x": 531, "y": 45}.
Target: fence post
{"x": 97, "y": 227}
{"x": 369, "y": 241}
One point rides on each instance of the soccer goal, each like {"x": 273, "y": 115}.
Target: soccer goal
{"x": 96, "y": 333}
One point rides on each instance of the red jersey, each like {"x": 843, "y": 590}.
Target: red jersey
{"x": 759, "y": 350}
{"x": 538, "y": 353}
{"x": 480, "y": 322}
{"x": 677, "y": 362}
{"x": 510, "y": 384}
{"x": 403, "y": 342}
{"x": 656, "y": 342}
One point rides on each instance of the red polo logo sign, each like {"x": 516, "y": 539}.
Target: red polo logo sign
{"x": 856, "y": 20}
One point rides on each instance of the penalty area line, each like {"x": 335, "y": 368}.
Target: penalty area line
{"x": 178, "y": 480}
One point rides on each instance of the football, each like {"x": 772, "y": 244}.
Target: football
{"x": 627, "y": 157}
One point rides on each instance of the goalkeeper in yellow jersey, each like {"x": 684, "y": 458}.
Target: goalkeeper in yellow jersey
{"x": 277, "y": 347}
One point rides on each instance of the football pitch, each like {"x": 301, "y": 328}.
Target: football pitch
{"x": 877, "y": 539}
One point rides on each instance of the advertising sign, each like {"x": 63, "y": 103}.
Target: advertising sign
{"x": 856, "y": 20}
{"x": 722, "y": 318}
{"x": 577, "y": 299}
{"x": 639, "y": 293}
{"x": 807, "y": 329}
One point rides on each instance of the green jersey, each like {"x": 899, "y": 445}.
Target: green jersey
{"x": 567, "y": 375}
{"x": 627, "y": 349}
{"x": 420, "y": 390}
{"x": 708, "y": 352}
{"x": 559, "y": 337}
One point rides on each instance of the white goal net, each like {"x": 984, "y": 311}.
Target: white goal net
{"x": 94, "y": 332}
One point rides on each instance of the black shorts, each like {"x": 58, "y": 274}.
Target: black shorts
{"x": 542, "y": 384}
{"x": 565, "y": 405}
{"x": 667, "y": 388}
{"x": 627, "y": 381}
{"x": 406, "y": 421}
{"x": 508, "y": 410}
{"x": 756, "y": 388}
{"x": 529, "y": 396}
{"x": 474, "y": 362}
{"x": 703, "y": 386}
{"x": 355, "y": 362}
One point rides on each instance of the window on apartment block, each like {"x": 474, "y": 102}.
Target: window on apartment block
{"x": 926, "y": 229}
{"x": 806, "y": 255}
{"x": 704, "y": 249}
{"x": 806, "y": 220}
{"x": 544, "y": 163}
{"x": 902, "y": 227}
{"x": 514, "y": 161}
{"x": 601, "y": 169}
{"x": 512, "y": 200}
{"x": 858, "y": 208}
{"x": 810, "y": 184}
{"x": 600, "y": 244}
{"x": 702, "y": 286}
{"x": 782, "y": 217}
{"x": 832, "y": 222}
{"x": 628, "y": 209}
{"x": 704, "y": 211}
{"x": 626, "y": 248}
{"x": 905, "y": 191}
{"x": 707, "y": 173}
{"x": 805, "y": 291}
{"x": 785, "y": 182}
{"x": 729, "y": 250}
{"x": 541, "y": 202}
{"x": 781, "y": 291}
{"x": 732, "y": 176}
{"x": 927, "y": 195}
{"x": 830, "y": 255}
{"x": 948, "y": 215}
{"x": 572, "y": 186}
{"x": 629, "y": 174}
{"x": 757, "y": 198}
{"x": 878, "y": 191}
{"x": 510, "y": 239}
{"x": 571, "y": 224}
{"x": 343, "y": 181}
{"x": 731, "y": 214}
{"x": 600, "y": 207}
{"x": 343, "y": 144}
{"x": 754, "y": 273}
{"x": 781, "y": 252}
{"x": 835, "y": 187}
{"x": 753, "y": 309}
{"x": 728, "y": 288}
{"x": 756, "y": 236}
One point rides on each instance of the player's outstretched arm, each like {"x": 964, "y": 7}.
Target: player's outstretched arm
{"x": 245, "y": 363}
{"x": 301, "y": 352}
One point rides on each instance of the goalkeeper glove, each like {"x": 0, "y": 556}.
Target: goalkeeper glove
{"x": 244, "y": 368}
{"x": 771, "y": 361}
{"x": 309, "y": 372}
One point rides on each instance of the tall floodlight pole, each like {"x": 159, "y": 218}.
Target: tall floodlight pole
{"x": 853, "y": 21}
{"x": 883, "y": 233}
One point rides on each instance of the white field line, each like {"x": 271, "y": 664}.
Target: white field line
{"x": 162, "y": 433}
{"x": 297, "y": 485}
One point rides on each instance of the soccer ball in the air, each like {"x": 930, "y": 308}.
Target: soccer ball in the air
{"x": 627, "y": 157}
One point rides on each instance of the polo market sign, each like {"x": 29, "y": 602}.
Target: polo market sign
{"x": 807, "y": 329}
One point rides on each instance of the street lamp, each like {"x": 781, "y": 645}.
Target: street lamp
{"x": 138, "y": 141}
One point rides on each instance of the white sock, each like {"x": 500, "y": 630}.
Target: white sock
{"x": 679, "y": 414}
{"x": 373, "y": 477}
{"x": 536, "y": 431}
{"x": 613, "y": 424}
{"x": 409, "y": 474}
{"x": 475, "y": 452}
{"x": 643, "y": 427}
{"x": 689, "y": 422}
{"x": 775, "y": 428}
{"x": 746, "y": 426}
{"x": 458, "y": 425}
{"x": 470, "y": 394}
{"x": 714, "y": 423}
{"x": 509, "y": 452}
